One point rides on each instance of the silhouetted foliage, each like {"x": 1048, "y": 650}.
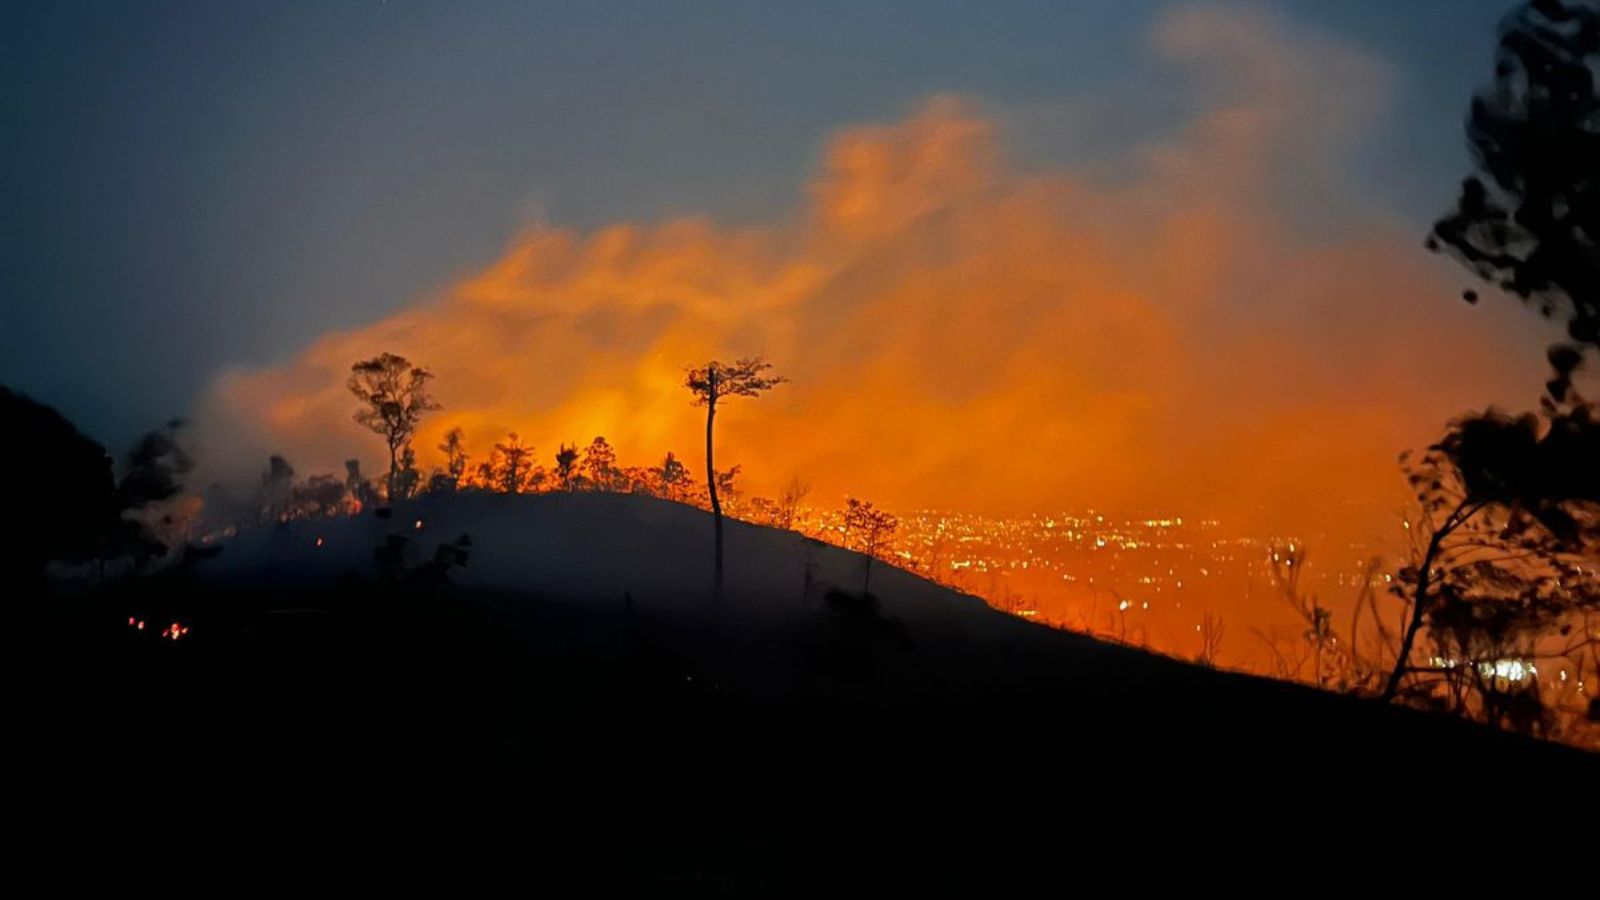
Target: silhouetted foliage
{"x": 1529, "y": 222}
{"x": 357, "y": 485}
{"x": 60, "y": 489}
{"x": 149, "y": 490}
{"x": 407, "y": 479}
{"x": 394, "y": 397}
{"x": 1510, "y": 516}
{"x": 449, "y": 555}
{"x": 456, "y": 457}
{"x": 871, "y": 528}
{"x": 276, "y": 486}
{"x": 320, "y": 496}
{"x": 1504, "y": 549}
{"x": 600, "y": 466}
{"x": 441, "y": 483}
{"x": 566, "y": 466}
{"x": 390, "y": 558}
{"x": 1335, "y": 661}
{"x": 510, "y": 465}
{"x": 672, "y": 478}
{"x": 859, "y": 630}
{"x": 726, "y": 487}
{"x": 787, "y": 511}
{"x": 156, "y": 466}
{"x": 1211, "y": 632}
{"x": 710, "y": 383}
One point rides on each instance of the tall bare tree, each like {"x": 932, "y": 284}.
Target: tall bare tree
{"x": 394, "y": 397}
{"x": 711, "y": 383}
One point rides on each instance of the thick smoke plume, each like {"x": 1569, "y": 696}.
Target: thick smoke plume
{"x": 1215, "y": 330}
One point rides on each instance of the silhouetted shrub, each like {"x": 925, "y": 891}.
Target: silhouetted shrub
{"x": 60, "y": 497}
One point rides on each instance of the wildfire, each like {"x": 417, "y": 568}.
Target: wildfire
{"x": 175, "y": 631}
{"x": 957, "y": 334}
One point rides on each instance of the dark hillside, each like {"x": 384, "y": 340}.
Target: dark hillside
{"x": 478, "y": 739}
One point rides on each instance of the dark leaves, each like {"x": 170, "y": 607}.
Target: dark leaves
{"x": 744, "y": 378}
{"x": 1526, "y": 222}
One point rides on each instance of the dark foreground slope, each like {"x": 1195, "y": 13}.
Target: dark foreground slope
{"x": 571, "y": 715}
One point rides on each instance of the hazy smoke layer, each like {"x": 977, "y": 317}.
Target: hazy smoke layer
{"x": 1213, "y": 331}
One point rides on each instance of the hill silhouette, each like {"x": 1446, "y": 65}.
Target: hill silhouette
{"x": 570, "y": 710}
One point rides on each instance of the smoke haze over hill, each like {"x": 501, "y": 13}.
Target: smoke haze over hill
{"x": 1220, "y": 329}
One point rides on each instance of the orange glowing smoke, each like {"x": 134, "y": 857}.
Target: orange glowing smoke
{"x": 1217, "y": 331}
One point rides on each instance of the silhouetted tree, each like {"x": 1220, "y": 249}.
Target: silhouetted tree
{"x": 538, "y": 478}
{"x": 408, "y": 478}
{"x": 672, "y": 476}
{"x": 1509, "y": 529}
{"x": 276, "y": 487}
{"x": 1211, "y": 632}
{"x": 600, "y": 465}
{"x": 566, "y": 465}
{"x": 511, "y": 463}
{"x": 320, "y": 496}
{"x": 1529, "y": 221}
{"x": 872, "y": 529}
{"x": 711, "y": 383}
{"x": 60, "y": 496}
{"x": 788, "y": 506}
{"x": 356, "y": 484}
{"x": 394, "y": 397}
{"x": 1509, "y": 504}
{"x": 447, "y": 556}
{"x": 760, "y": 509}
{"x": 440, "y": 482}
{"x": 156, "y": 466}
{"x": 1330, "y": 656}
{"x": 150, "y": 489}
{"x": 455, "y": 453}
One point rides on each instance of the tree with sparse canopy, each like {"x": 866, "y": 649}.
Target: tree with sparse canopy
{"x": 394, "y": 397}
{"x": 1510, "y": 511}
{"x": 710, "y": 383}
{"x": 456, "y": 456}
{"x": 511, "y": 463}
{"x": 600, "y": 465}
{"x": 872, "y": 527}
